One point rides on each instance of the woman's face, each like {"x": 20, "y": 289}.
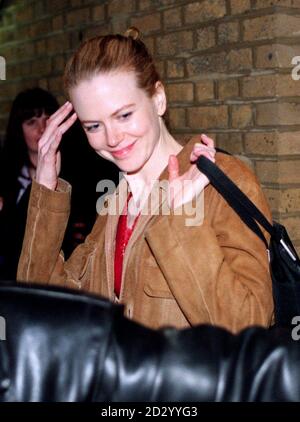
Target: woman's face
{"x": 120, "y": 120}
{"x": 32, "y": 130}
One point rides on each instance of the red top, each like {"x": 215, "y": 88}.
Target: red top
{"x": 122, "y": 238}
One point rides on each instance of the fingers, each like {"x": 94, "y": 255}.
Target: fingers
{"x": 207, "y": 141}
{"x": 205, "y": 148}
{"x": 55, "y": 121}
{"x": 63, "y": 110}
{"x": 53, "y": 141}
{"x": 173, "y": 168}
{"x": 199, "y": 150}
{"x": 68, "y": 123}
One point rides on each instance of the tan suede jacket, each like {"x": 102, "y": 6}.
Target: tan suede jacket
{"x": 174, "y": 274}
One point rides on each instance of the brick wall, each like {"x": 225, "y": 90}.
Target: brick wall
{"x": 226, "y": 64}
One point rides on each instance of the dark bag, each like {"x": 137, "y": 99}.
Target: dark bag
{"x": 283, "y": 258}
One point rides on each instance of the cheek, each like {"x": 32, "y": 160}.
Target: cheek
{"x": 28, "y": 135}
{"x": 143, "y": 125}
{"x": 96, "y": 142}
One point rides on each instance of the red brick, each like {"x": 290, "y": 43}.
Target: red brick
{"x": 276, "y": 55}
{"x": 285, "y": 171}
{"x": 55, "y": 84}
{"x": 54, "y": 6}
{"x": 160, "y": 67}
{"x": 98, "y": 13}
{"x": 40, "y": 47}
{"x": 228, "y": 88}
{"x": 230, "y": 142}
{"x": 41, "y": 67}
{"x": 175, "y": 42}
{"x": 117, "y": 7}
{"x": 148, "y": 23}
{"x": 268, "y": 3}
{"x": 273, "y": 114}
{"x": 206, "y": 64}
{"x": 287, "y": 86}
{"x": 240, "y": 59}
{"x": 228, "y": 33}
{"x": 260, "y": 86}
{"x": 267, "y": 171}
{"x": 175, "y": 68}
{"x": 58, "y": 43}
{"x": 288, "y": 143}
{"x": 172, "y": 18}
{"x": 58, "y": 64}
{"x": 177, "y": 117}
{"x": 261, "y": 143}
{"x": 239, "y": 6}
{"x": 57, "y": 23}
{"x": 25, "y": 14}
{"x": 206, "y": 38}
{"x": 241, "y": 116}
{"x": 42, "y": 27}
{"x": 208, "y": 117}
{"x": 292, "y": 225}
{"x": 289, "y": 200}
{"x": 204, "y": 90}
{"x": 202, "y": 11}
{"x": 145, "y": 4}
{"x": 268, "y": 27}
{"x": 78, "y": 16}
{"x": 149, "y": 42}
{"x": 182, "y": 92}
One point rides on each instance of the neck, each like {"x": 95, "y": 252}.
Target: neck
{"x": 141, "y": 182}
{"x": 33, "y": 159}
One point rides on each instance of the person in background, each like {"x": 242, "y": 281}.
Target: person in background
{"x": 26, "y": 124}
{"x": 18, "y": 162}
{"x": 165, "y": 271}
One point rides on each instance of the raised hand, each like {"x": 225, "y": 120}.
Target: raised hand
{"x": 184, "y": 188}
{"x": 49, "y": 159}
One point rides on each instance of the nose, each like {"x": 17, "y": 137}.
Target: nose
{"x": 114, "y": 136}
{"x": 42, "y": 126}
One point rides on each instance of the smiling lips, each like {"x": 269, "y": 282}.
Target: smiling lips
{"x": 122, "y": 153}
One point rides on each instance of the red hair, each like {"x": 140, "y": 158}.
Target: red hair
{"x": 112, "y": 53}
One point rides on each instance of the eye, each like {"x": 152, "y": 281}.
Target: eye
{"x": 92, "y": 128}
{"x": 30, "y": 122}
{"x": 125, "y": 116}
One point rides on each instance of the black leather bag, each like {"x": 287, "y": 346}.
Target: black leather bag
{"x": 283, "y": 258}
{"x": 66, "y": 346}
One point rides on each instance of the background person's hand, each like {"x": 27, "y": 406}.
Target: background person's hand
{"x": 49, "y": 159}
{"x": 184, "y": 188}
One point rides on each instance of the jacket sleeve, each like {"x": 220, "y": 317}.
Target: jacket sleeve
{"x": 47, "y": 217}
{"x": 218, "y": 272}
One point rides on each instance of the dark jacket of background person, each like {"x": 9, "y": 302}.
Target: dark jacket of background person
{"x": 65, "y": 346}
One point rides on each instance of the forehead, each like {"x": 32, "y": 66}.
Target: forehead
{"x": 105, "y": 93}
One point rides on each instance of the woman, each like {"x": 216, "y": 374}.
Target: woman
{"x": 26, "y": 124}
{"x": 164, "y": 270}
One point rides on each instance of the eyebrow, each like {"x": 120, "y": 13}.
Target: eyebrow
{"x": 113, "y": 114}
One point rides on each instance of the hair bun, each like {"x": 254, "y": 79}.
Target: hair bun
{"x": 132, "y": 32}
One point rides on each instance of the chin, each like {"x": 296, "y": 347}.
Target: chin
{"x": 129, "y": 167}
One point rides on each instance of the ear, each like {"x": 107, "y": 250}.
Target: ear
{"x": 159, "y": 98}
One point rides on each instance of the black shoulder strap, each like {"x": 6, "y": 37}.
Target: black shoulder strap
{"x": 241, "y": 204}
